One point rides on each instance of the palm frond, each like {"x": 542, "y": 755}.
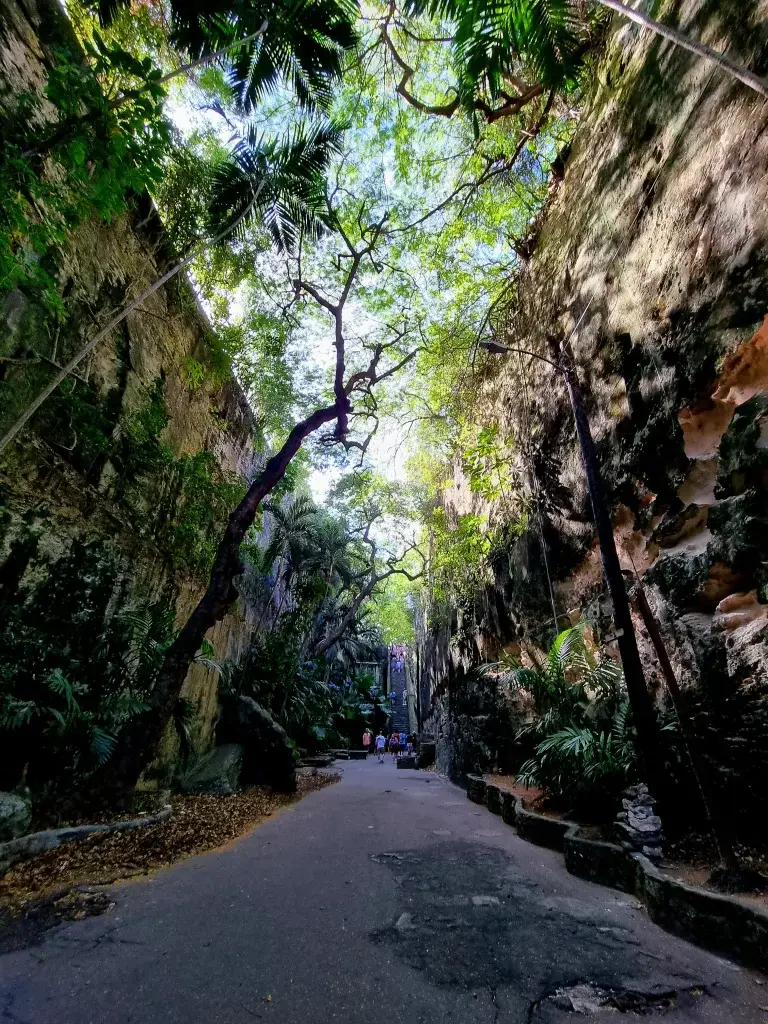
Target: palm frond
{"x": 102, "y": 745}
{"x": 303, "y": 46}
{"x": 280, "y": 185}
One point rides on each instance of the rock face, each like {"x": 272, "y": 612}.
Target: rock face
{"x": 216, "y": 773}
{"x": 672, "y": 352}
{"x": 268, "y": 754}
{"x": 637, "y": 827}
{"x": 15, "y": 816}
{"x": 83, "y": 484}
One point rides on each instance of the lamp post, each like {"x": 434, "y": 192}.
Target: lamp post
{"x": 639, "y": 698}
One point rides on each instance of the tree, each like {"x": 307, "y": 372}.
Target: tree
{"x": 280, "y": 182}
{"x": 138, "y": 744}
{"x": 292, "y": 531}
{"x": 549, "y": 36}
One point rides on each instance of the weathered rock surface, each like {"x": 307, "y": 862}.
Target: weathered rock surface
{"x": 47, "y": 487}
{"x": 15, "y": 816}
{"x": 268, "y": 754}
{"x": 672, "y": 349}
{"x": 216, "y": 773}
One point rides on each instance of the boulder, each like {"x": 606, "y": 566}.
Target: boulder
{"x": 268, "y": 755}
{"x": 15, "y": 815}
{"x": 217, "y": 773}
{"x": 426, "y": 753}
{"x": 407, "y": 761}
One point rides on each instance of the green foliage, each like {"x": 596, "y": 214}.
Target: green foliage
{"x": 320, "y": 704}
{"x": 484, "y": 461}
{"x": 583, "y": 751}
{"x": 78, "y": 655}
{"x": 282, "y": 184}
{"x": 392, "y": 611}
{"x": 495, "y": 43}
{"x": 303, "y": 48}
{"x": 98, "y": 160}
{"x": 194, "y": 373}
{"x": 459, "y": 555}
{"x": 204, "y": 500}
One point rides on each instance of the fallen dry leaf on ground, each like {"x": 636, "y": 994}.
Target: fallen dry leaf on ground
{"x": 198, "y": 823}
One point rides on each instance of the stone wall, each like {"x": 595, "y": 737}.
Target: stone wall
{"x": 58, "y": 498}
{"x": 652, "y": 257}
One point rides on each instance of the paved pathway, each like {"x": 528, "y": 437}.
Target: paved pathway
{"x": 388, "y": 897}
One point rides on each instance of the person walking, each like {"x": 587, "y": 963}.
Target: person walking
{"x": 380, "y": 746}
{"x": 394, "y": 746}
{"x": 367, "y": 737}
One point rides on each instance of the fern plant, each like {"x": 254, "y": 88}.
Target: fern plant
{"x": 69, "y": 686}
{"x": 581, "y": 734}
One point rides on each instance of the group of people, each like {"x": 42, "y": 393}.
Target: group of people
{"x": 398, "y": 657}
{"x": 396, "y": 743}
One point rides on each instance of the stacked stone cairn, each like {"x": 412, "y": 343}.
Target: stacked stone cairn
{"x": 638, "y": 828}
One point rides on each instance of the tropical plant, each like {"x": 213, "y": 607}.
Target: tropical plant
{"x": 268, "y": 44}
{"x": 65, "y": 695}
{"x": 279, "y": 183}
{"x": 580, "y": 730}
{"x": 290, "y": 529}
{"x": 493, "y": 40}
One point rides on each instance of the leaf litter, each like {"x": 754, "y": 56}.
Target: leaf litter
{"x": 58, "y": 885}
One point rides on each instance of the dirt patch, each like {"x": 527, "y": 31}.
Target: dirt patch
{"x": 692, "y": 860}
{"x": 26, "y": 925}
{"x": 46, "y": 890}
{"x": 534, "y": 799}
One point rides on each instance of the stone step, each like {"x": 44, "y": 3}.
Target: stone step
{"x": 321, "y": 761}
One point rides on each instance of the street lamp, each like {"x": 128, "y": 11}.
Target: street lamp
{"x": 639, "y": 698}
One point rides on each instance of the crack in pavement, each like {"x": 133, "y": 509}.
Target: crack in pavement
{"x": 468, "y": 919}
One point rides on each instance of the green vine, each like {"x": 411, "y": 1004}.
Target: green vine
{"x": 84, "y": 162}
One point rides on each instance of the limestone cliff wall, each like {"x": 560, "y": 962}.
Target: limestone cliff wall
{"x": 652, "y": 258}
{"x": 63, "y": 491}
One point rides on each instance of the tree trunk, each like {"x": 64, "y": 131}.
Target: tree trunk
{"x": 731, "y": 68}
{"x": 137, "y": 746}
{"x": 350, "y": 613}
{"x": 649, "y": 747}
{"x": 708, "y": 792}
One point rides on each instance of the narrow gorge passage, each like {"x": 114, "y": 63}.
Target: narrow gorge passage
{"x": 386, "y": 896}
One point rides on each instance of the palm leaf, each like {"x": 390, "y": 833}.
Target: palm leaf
{"x": 303, "y": 46}
{"x": 278, "y": 185}
{"x": 102, "y": 745}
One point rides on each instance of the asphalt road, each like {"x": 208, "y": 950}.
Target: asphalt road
{"x": 387, "y": 897}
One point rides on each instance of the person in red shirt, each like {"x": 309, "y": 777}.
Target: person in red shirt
{"x": 394, "y": 746}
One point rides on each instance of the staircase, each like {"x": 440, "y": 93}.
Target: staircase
{"x": 399, "y": 711}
